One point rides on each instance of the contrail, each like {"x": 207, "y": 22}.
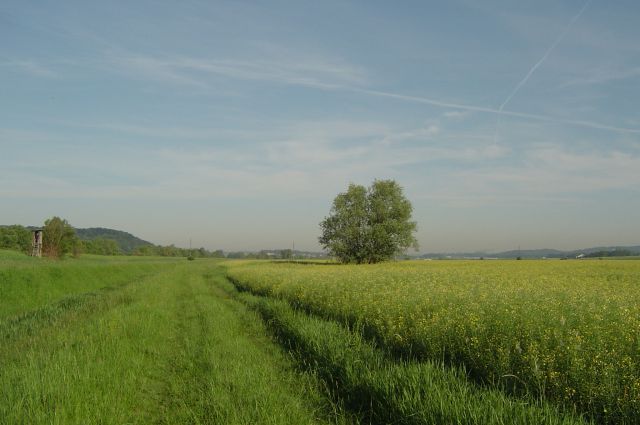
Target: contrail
{"x": 420, "y": 99}
{"x": 500, "y": 110}
{"x": 533, "y": 69}
{"x": 488, "y": 110}
{"x": 553, "y": 46}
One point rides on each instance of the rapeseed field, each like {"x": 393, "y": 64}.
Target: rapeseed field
{"x": 563, "y": 331}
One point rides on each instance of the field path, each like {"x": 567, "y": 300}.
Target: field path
{"x": 168, "y": 348}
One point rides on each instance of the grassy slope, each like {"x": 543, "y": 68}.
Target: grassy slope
{"x": 160, "y": 348}
{"x": 27, "y": 283}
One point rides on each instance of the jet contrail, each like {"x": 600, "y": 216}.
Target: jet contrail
{"x": 537, "y": 64}
{"x": 489, "y": 110}
{"x": 500, "y": 110}
{"x": 533, "y": 69}
{"x": 420, "y": 99}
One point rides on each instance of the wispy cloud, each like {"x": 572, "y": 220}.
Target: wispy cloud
{"x": 454, "y": 114}
{"x": 602, "y": 76}
{"x": 29, "y": 67}
{"x": 311, "y": 159}
{"x": 547, "y": 175}
{"x": 150, "y": 68}
{"x": 155, "y": 131}
{"x": 556, "y": 170}
{"x": 14, "y": 137}
{"x": 322, "y": 73}
{"x": 305, "y": 71}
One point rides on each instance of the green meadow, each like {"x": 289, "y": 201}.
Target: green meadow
{"x": 116, "y": 340}
{"x": 102, "y": 341}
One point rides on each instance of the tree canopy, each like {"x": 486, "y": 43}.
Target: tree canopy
{"x": 369, "y": 225}
{"x": 15, "y": 237}
{"x": 59, "y": 238}
{"x": 101, "y": 246}
{"x": 126, "y": 242}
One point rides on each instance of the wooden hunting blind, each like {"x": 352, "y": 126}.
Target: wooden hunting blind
{"x": 36, "y": 244}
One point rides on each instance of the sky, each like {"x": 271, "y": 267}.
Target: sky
{"x": 234, "y": 124}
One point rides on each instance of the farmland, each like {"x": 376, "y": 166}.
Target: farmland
{"x": 157, "y": 340}
{"x": 565, "y": 332}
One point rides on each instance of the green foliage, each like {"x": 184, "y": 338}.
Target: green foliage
{"x": 261, "y": 255}
{"x": 16, "y": 237}
{"x": 286, "y": 254}
{"x": 101, "y": 246}
{"x": 146, "y": 250}
{"x": 369, "y": 225}
{"x": 237, "y": 255}
{"x": 126, "y": 242}
{"x": 58, "y": 237}
{"x": 174, "y": 251}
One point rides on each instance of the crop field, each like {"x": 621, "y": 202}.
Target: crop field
{"x": 563, "y": 332}
{"x": 114, "y": 340}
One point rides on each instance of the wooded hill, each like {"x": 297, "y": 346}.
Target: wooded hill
{"x": 126, "y": 241}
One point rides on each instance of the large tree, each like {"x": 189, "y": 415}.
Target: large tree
{"x": 58, "y": 237}
{"x": 369, "y": 225}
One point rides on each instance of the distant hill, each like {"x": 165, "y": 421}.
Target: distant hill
{"x": 532, "y": 253}
{"x": 535, "y": 253}
{"x": 126, "y": 241}
{"x": 635, "y": 249}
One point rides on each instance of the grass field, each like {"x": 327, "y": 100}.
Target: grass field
{"x": 115, "y": 340}
{"x": 145, "y": 342}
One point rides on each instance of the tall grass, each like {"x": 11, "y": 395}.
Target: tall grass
{"x": 165, "y": 347}
{"x": 27, "y": 283}
{"x": 564, "y": 331}
{"x": 381, "y": 390}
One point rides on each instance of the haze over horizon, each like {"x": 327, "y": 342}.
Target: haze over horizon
{"x": 235, "y": 124}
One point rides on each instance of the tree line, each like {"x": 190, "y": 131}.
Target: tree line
{"x": 16, "y": 238}
{"x": 60, "y": 239}
{"x": 614, "y": 253}
{"x": 174, "y": 251}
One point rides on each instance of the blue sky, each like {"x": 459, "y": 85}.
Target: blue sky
{"x": 234, "y": 124}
